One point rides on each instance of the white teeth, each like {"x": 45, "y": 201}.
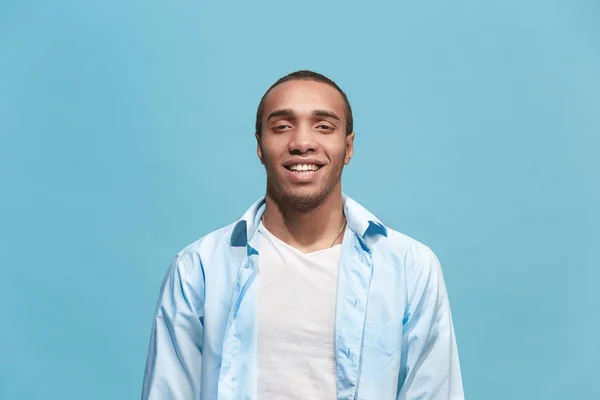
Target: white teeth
{"x": 304, "y": 167}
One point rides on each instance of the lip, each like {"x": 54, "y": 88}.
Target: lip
{"x": 304, "y": 177}
{"x": 295, "y": 161}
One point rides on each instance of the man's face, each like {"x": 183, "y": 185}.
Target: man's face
{"x": 304, "y": 145}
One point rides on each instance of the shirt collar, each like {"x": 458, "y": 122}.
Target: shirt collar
{"x": 360, "y": 220}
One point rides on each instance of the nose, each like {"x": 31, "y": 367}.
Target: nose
{"x": 303, "y": 140}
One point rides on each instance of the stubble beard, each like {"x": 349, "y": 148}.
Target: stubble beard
{"x": 303, "y": 202}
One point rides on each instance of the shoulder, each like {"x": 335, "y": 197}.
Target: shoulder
{"x": 385, "y": 241}
{"x": 408, "y": 252}
{"x": 401, "y": 243}
{"x": 214, "y": 244}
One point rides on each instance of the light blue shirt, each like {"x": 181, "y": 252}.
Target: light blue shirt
{"x": 394, "y": 337}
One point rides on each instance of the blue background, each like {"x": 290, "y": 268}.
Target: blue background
{"x": 126, "y": 132}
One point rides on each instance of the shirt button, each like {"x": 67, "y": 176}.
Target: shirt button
{"x": 247, "y": 265}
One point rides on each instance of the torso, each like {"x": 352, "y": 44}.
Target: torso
{"x": 296, "y": 304}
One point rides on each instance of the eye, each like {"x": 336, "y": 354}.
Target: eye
{"x": 325, "y": 127}
{"x": 281, "y": 127}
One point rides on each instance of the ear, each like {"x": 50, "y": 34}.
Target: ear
{"x": 259, "y": 148}
{"x": 349, "y": 148}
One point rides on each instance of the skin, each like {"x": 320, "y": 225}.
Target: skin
{"x": 304, "y": 121}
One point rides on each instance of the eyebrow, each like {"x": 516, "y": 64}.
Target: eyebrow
{"x": 281, "y": 113}
{"x": 326, "y": 114}
{"x": 289, "y": 113}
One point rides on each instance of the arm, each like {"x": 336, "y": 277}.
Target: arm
{"x": 174, "y": 360}
{"x": 430, "y": 367}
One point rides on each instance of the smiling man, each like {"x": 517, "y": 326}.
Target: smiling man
{"x": 308, "y": 295}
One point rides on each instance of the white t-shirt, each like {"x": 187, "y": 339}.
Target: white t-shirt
{"x": 295, "y": 318}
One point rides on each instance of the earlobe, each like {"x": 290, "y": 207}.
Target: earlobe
{"x": 259, "y": 154}
{"x": 259, "y": 149}
{"x": 349, "y": 148}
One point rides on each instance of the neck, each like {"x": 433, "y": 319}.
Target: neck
{"x": 307, "y": 230}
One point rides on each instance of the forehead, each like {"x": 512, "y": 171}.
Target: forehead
{"x": 304, "y": 96}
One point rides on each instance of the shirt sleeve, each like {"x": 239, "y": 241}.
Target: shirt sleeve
{"x": 430, "y": 368}
{"x": 174, "y": 362}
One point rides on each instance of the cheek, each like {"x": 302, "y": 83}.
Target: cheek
{"x": 338, "y": 152}
{"x": 268, "y": 151}
{"x": 270, "y": 158}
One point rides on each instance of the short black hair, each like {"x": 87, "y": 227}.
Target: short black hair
{"x": 305, "y": 75}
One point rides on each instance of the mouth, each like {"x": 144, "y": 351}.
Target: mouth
{"x": 303, "y": 168}
{"x": 303, "y": 172}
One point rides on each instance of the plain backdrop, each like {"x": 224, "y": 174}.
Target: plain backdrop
{"x": 126, "y": 133}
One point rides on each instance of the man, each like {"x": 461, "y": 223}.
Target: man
{"x": 308, "y": 295}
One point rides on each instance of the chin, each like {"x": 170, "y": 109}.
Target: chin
{"x": 303, "y": 200}
{"x": 298, "y": 197}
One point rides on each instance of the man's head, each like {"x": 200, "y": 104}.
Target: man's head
{"x": 305, "y": 137}
{"x": 305, "y": 75}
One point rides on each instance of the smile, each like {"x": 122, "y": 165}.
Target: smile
{"x": 303, "y": 169}
{"x": 303, "y": 173}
